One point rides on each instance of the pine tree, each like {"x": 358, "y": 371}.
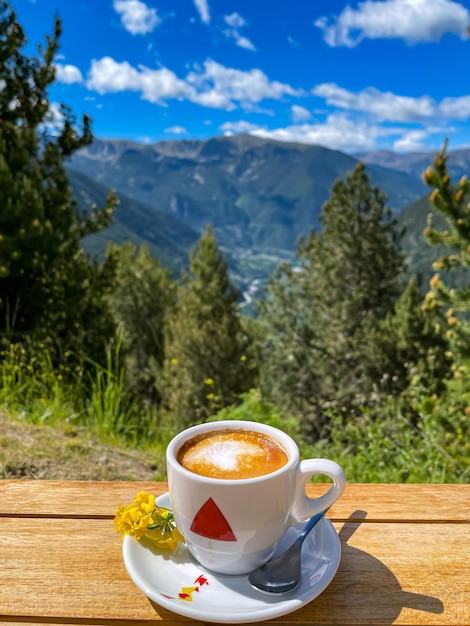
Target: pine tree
{"x": 451, "y": 201}
{"x": 209, "y": 360}
{"x": 321, "y": 314}
{"x": 142, "y": 297}
{"x": 49, "y": 290}
{"x": 409, "y": 351}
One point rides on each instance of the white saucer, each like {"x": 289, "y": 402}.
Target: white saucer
{"x": 210, "y": 597}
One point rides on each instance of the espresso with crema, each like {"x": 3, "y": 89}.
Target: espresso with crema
{"x": 232, "y": 454}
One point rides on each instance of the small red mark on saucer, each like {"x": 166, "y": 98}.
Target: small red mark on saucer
{"x": 210, "y": 522}
{"x": 186, "y": 593}
{"x": 202, "y": 580}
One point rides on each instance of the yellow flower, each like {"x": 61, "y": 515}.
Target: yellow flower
{"x": 124, "y": 520}
{"x": 174, "y": 361}
{"x": 143, "y": 518}
{"x": 210, "y": 396}
{"x": 209, "y": 381}
{"x": 146, "y": 501}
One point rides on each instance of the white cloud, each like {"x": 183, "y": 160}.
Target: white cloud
{"x": 244, "y": 42}
{"x": 411, "y": 20}
{"x": 236, "y": 21}
{"x": 299, "y": 114}
{"x": 55, "y": 112}
{"x": 213, "y": 86}
{"x": 68, "y": 74}
{"x": 233, "y": 128}
{"x": 337, "y": 132}
{"x": 162, "y": 84}
{"x": 350, "y": 121}
{"x": 384, "y": 105}
{"x": 54, "y": 121}
{"x": 227, "y": 86}
{"x": 214, "y": 99}
{"x": 293, "y": 42}
{"x": 136, "y": 17}
{"x": 415, "y": 140}
{"x": 176, "y": 130}
{"x": 203, "y": 10}
{"x": 412, "y": 141}
{"x": 108, "y": 76}
{"x": 456, "y": 108}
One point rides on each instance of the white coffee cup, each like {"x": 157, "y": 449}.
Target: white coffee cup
{"x": 255, "y": 512}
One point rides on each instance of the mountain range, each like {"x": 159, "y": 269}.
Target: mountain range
{"x": 259, "y": 195}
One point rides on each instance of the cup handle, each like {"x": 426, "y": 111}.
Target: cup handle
{"x": 304, "y": 507}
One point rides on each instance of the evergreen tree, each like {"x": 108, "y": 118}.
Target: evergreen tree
{"x": 209, "y": 360}
{"x": 49, "y": 290}
{"x": 409, "y": 351}
{"x": 451, "y": 201}
{"x": 320, "y": 315}
{"x": 143, "y": 294}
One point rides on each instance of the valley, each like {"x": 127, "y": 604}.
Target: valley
{"x": 258, "y": 195}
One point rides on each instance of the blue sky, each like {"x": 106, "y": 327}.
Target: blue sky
{"x": 389, "y": 74}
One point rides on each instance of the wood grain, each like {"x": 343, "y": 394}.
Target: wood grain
{"x": 70, "y": 569}
{"x": 426, "y": 503}
{"x": 405, "y": 557}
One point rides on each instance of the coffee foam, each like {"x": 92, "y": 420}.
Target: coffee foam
{"x": 232, "y": 454}
{"x": 225, "y": 455}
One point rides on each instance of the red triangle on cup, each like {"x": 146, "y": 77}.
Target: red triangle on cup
{"x": 210, "y": 522}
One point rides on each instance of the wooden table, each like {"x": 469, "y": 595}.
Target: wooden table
{"x": 405, "y": 557}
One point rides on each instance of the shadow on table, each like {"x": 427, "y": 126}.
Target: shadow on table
{"x": 365, "y": 589}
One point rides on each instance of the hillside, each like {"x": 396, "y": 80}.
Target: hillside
{"x": 415, "y": 163}
{"x": 259, "y": 195}
{"x": 168, "y": 238}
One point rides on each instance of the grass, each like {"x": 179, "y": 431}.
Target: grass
{"x": 50, "y": 428}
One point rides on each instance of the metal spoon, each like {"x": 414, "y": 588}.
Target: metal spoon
{"x": 282, "y": 573}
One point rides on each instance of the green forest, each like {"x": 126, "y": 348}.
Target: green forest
{"x": 356, "y": 362}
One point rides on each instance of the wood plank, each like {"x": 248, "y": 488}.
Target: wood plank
{"x": 91, "y": 499}
{"x": 69, "y": 570}
{"x": 374, "y": 502}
